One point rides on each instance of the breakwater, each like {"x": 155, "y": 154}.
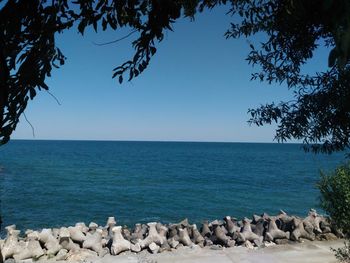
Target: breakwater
{"x": 79, "y": 242}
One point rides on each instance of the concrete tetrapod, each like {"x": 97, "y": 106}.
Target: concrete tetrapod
{"x": 163, "y": 231}
{"x": 220, "y": 235}
{"x": 312, "y": 222}
{"x": 184, "y": 238}
{"x": 109, "y": 225}
{"x": 284, "y": 221}
{"x": 246, "y": 232}
{"x": 50, "y": 242}
{"x": 83, "y": 228}
{"x": 94, "y": 242}
{"x": 230, "y": 225}
{"x": 173, "y": 233}
{"x": 65, "y": 241}
{"x": 274, "y": 233}
{"x": 205, "y": 232}
{"x": 197, "y": 237}
{"x": 10, "y": 246}
{"x": 32, "y": 248}
{"x": 261, "y": 227}
{"x": 92, "y": 227}
{"x": 300, "y": 232}
{"x": 137, "y": 233}
{"x": 153, "y": 236}
{"x": 120, "y": 244}
{"x": 76, "y": 234}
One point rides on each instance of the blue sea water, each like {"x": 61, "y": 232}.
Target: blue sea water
{"x": 55, "y": 183}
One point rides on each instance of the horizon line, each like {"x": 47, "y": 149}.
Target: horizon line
{"x": 180, "y": 141}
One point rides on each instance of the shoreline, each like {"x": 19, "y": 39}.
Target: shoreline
{"x": 305, "y": 252}
{"x": 153, "y": 242}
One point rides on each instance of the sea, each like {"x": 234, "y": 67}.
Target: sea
{"x": 58, "y": 183}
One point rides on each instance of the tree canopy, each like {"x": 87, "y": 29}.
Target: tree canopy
{"x": 319, "y": 114}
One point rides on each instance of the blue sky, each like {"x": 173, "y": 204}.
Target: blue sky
{"x": 197, "y": 88}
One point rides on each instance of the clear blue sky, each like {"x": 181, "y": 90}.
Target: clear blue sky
{"x": 197, "y": 88}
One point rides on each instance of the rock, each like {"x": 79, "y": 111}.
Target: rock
{"x": 216, "y": 247}
{"x": 258, "y": 243}
{"x": 28, "y": 260}
{"x": 282, "y": 241}
{"x": 268, "y": 244}
{"x": 81, "y": 255}
{"x": 153, "y": 247}
{"x": 327, "y": 236}
{"x": 248, "y": 244}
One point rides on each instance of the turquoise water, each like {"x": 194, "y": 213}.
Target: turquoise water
{"x": 54, "y": 183}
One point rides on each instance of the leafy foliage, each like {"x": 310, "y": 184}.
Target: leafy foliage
{"x": 343, "y": 253}
{"x": 319, "y": 114}
{"x": 335, "y": 200}
{"x": 27, "y": 41}
{"x": 335, "y": 196}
